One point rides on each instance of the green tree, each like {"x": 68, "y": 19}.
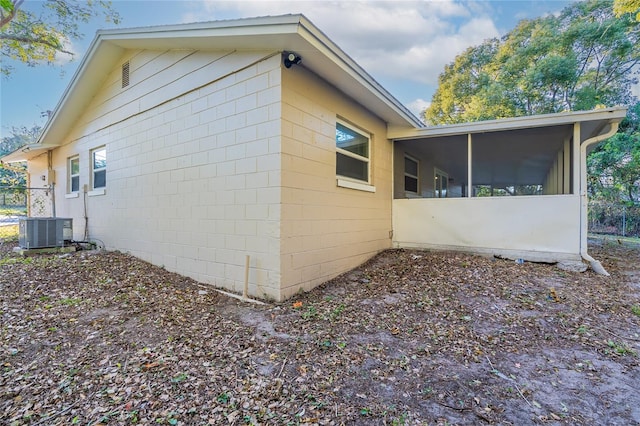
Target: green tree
{"x": 578, "y": 60}
{"x": 19, "y": 136}
{"x": 608, "y": 52}
{"x": 35, "y": 38}
{"x": 460, "y": 84}
{"x": 620, "y": 7}
{"x": 15, "y": 175}
{"x": 614, "y": 166}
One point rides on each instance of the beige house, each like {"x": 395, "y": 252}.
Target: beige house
{"x": 199, "y": 146}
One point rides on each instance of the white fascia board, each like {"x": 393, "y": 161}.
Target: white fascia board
{"x": 248, "y": 33}
{"x": 614, "y": 114}
{"x": 327, "y": 47}
{"x": 243, "y": 26}
{"x": 26, "y": 152}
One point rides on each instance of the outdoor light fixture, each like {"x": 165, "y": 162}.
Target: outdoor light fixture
{"x": 291, "y": 58}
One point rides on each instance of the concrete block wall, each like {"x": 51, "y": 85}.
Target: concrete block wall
{"x": 327, "y": 229}
{"x": 193, "y": 183}
{"x": 241, "y": 165}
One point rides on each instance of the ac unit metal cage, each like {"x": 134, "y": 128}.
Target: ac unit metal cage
{"x": 44, "y": 232}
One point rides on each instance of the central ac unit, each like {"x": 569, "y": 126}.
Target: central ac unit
{"x": 43, "y": 232}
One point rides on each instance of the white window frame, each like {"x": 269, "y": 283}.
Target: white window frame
{"x": 99, "y": 190}
{"x": 409, "y": 175}
{"x": 358, "y": 182}
{"x": 437, "y": 190}
{"x": 72, "y": 175}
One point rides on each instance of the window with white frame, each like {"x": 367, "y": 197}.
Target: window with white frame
{"x": 99, "y": 168}
{"x": 73, "y": 169}
{"x": 352, "y": 152}
{"x": 411, "y": 167}
{"x": 441, "y": 183}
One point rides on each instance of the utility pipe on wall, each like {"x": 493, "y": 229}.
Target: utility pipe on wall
{"x": 595, "y": 265}
{"x": 245, "y": 292}
{"x": 52, "y": 185}
{"x": 469, "y": 166}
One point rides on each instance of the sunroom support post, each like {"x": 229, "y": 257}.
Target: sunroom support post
{"x": 469, "y": 167}
{"x": 566, "y": 168}
{"x": 575, "y": 157}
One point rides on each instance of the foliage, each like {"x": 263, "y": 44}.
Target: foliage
{"x": 16, "y": 174}
{"x": 19, "y": 136}
{"x": 8, "y": 234}
{"x": 614, "y": 218}
{"x": 583, "y": 58}
{"x": 620, "y": 7}
{"x": 614, "y": 166}
{"x": 36, "y": 37}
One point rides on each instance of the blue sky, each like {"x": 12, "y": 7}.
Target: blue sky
{"x": 402, "y": 44}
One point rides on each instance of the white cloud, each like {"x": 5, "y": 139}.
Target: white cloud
{"x": 411, "y": 40}
{"x": 418, "y": 106}
{"x": 424, "y": 59}
{"x": 64, "y": 58}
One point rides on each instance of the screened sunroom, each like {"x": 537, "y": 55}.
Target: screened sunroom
{"x": 512, "y": 187}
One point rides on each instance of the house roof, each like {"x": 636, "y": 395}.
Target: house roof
{"x": 275, "y": 33}
{"x": 592, "y": 123}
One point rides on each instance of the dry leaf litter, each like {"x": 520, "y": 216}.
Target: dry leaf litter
{"x": 409, "y": 338}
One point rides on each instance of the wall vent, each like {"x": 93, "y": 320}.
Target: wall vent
{"x": 125, "y": 74}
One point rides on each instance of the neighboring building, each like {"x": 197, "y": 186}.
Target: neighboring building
{"x": 194, "y": 146}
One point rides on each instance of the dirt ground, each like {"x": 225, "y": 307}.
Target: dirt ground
{"x": 411, "y": 337}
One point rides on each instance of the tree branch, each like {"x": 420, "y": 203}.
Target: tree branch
{"x": 6, "y": 19}
{"x": 29, "y": 40}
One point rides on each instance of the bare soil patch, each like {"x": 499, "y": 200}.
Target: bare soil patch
{"x": 410, "y": 337}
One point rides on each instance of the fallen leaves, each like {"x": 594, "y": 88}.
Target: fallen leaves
{"x": 103, "y": 338}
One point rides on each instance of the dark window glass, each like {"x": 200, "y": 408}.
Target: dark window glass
{"x": 350, "y": 167}
{"x": 410, "y": 184}
{"x": 100, "y": 179}
{"x": 410, "y": 166}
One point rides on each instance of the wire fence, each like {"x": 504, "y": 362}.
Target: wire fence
{"x": 614, "y": 219}
{"x": 17, "y": 202}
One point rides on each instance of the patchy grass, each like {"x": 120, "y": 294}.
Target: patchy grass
{"x": 8, "y": 234}
{"x": 13, "y": 211}
{"x": 614, "y": 239}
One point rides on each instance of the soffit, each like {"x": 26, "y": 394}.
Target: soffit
{"x": 27, "y": 152}
{"x": 281, "y": 33}
{"x": 592, "y": 123}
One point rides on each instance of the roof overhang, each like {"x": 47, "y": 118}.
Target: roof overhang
{"x": 592, "y": 123}
{"x": 508, "y": 150}
{"x": 274, "y": 33}
{"x": 27, "y": 152}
